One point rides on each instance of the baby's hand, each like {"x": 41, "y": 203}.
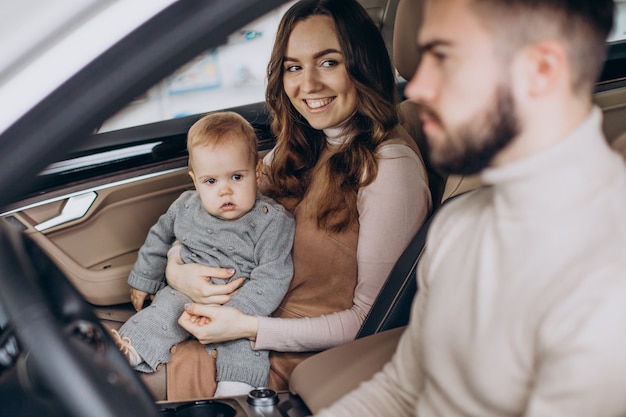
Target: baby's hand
{"x": 137, "y": 298}
{"x": 196, "y": 320}
{"x": 201, "y": 320}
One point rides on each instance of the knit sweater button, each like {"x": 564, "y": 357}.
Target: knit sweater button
{"x": 214, "y": 353}
{"x": 265, "y": 209}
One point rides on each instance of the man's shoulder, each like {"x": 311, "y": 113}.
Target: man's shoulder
{"x": 460, "y": 212}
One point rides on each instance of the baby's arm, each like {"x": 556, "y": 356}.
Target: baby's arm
{"x": 148, "y": 274}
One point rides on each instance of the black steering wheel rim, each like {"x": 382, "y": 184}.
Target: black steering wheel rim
{"x": 69, "y": 353}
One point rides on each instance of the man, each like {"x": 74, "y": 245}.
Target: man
{"x": 522, "y": 298}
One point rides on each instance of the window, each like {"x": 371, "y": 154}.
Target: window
{"x": 229, "y": 76}
{"x": 619, "y": 28}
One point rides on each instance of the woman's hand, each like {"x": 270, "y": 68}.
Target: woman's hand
{"x": 215, "y": 324}
{"x": 193, "y": 280}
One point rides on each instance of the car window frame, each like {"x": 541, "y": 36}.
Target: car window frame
{"x": 76, "y": 108}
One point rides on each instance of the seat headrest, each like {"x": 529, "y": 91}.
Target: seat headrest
{"x": 409, "y": 15}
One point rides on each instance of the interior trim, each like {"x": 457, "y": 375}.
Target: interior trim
{"x": 93, "y": 189}
{"x": 74, "y": 208}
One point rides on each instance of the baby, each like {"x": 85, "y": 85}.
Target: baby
{"x": 224, "y": 223}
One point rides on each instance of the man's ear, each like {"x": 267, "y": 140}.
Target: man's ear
{"x": 259, "y": 172}
{"x": 544, "y": 65}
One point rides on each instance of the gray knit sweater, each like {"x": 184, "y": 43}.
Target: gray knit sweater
{"x": 257, "y": 245}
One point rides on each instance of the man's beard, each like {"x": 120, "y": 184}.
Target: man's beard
{"x": 471, "y": 147}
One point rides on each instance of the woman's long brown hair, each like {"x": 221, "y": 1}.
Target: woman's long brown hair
{"x": 298, "y": 145}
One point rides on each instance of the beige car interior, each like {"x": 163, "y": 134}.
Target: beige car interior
{"x": 94, "y": 234}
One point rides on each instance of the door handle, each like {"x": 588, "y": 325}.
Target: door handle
{"x": 74, "y": 208}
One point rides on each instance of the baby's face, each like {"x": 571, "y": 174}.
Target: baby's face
{"x": 227, "y": 177}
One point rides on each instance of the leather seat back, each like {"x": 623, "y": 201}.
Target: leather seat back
{"x": 391, "y": 308}
{"x": 406, "y": 59}
{"x": 409, "y": 16}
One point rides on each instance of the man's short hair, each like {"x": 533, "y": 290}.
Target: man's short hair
{"x": 582, "y": 25}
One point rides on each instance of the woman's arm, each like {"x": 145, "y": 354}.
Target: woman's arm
{"x": 194, "y": 280}
{"x": 216, "y": 324}
{"x": 391, "y": 210}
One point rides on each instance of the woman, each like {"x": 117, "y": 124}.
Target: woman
{"x": 352, "y": 177}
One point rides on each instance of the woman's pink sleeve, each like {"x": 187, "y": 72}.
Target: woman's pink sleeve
{"x": 391, "y": 210}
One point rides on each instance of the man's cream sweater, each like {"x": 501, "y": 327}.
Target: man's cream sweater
{"x": 521, "y": 309}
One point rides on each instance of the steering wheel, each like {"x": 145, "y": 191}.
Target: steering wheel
{"x": 67, "y": 360}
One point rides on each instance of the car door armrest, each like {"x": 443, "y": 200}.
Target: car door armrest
{"x": 324, "y": 378}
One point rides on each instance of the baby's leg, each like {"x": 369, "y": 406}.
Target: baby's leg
{"x": 232, "y": 388}
{"x": 125, "y": 346}
{"x": 239, "y": 368}
{"x": 152, "y": 331}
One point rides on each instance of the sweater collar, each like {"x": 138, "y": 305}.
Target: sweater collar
{"x": 336, "y": 135}
{"x": 565, "y": 174}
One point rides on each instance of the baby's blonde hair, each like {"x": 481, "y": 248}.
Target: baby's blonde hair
{"x": 220, "y": 127}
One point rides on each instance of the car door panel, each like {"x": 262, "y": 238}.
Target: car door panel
{"x": 98, "y": 249}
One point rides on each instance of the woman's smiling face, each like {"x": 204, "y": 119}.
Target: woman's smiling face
{"x": 315, "y": 77}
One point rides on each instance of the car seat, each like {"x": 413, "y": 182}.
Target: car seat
{"x": 392, "y": 306}
{"x": 619, "y": 145}
{"x": 406, "y": 58}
